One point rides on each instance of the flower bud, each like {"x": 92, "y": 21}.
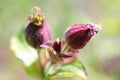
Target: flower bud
{"x": 79, "y": 34}
{"x": 37, "y": 31}
{"x": 58, "y": 52}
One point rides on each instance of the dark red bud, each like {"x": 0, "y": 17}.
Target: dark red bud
{"x": 59, "y": 51}
{"x": 79, "y": 34}
{"x": 37, "y": 31}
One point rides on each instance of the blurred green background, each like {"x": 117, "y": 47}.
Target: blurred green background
{"x": 101, "y": 56}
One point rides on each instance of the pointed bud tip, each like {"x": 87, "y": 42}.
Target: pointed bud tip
{"x": 96, "y": 26}
{"x": 58, "y": 40}
{"x": 36, "y": 16}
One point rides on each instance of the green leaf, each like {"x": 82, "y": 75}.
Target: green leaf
{"x": 22, "y": 50}
{"x": 69, "y": 71}
{"x": 25, "y": 53}
{"x": 34, "y": 70}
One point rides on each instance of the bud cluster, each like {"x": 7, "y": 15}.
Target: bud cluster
{"x": 38, "y": 35}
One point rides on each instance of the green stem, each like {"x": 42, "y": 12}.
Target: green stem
{"x": 65, "y": 48}
{"x": 40, "y": 65}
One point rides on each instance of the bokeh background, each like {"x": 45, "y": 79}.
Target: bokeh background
{"x": 101, "y": 56}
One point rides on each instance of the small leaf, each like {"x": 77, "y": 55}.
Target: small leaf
{"x": 34, "y": 70}
{"x": 26, "y": 54}
{"x": 22, "y": 50}
{"x": 69, "y": 71}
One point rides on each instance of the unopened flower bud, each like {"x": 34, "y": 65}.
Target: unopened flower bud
{"x": 37, "y": 31}
{"x": 79, "y": 34}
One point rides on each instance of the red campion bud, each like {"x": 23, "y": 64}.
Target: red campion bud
{"x": 79, "y": 34}
{"x": 37, "y": 31}
{"x": 58, "y": 52}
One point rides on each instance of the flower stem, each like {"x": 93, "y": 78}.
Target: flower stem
{"x": 41, "y": 70}
{"x": 65, "y": 48}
